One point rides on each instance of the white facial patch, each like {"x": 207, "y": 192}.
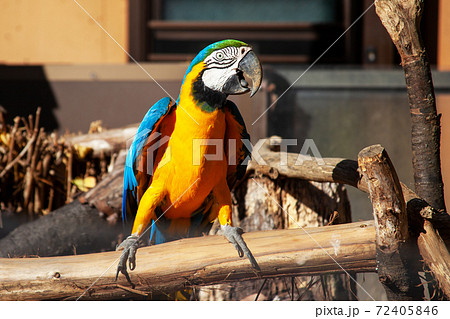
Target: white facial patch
{"x": 215, "y": 79}
{"x": 221, "y": 65}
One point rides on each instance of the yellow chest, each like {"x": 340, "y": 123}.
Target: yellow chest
{"x": 194, "y": 161}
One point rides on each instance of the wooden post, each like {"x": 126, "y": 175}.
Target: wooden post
{"x": 401, "y": 18}
{"x": 396, "y": 269}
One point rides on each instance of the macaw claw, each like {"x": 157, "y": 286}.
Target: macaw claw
{"x": 234, "y": 236}
{"x": 129, "y": 247}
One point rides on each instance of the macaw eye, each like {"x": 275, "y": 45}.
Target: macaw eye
{"x": 219, "y": 56}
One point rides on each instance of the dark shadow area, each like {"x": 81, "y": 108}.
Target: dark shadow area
{"x": 23, "y": 89}
{"x": 11, "y": 221}
{"x": 415, "y": 222}
{"x": 440, "y": 220}
{"x": 346, "y": 172}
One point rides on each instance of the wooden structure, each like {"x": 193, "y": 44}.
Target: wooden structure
{"x": 56, "y": 277}
{"x": 396, "y": 258}
{"x": 206, "y": 260}
{"x": 402, "y": 21}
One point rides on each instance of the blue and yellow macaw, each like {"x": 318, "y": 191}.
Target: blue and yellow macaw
{"x": 174, "y": 175}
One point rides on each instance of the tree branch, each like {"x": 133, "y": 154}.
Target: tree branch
{"x": 401, "y": 18}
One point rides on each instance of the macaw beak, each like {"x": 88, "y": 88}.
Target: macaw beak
{"x": 249, "y": 68}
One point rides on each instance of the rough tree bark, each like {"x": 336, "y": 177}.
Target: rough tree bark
{"x": 401, "y": 18}
{"x": 396, "y": 254}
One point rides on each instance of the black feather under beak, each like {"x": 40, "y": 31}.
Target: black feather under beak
{"x": 249, "y": 68}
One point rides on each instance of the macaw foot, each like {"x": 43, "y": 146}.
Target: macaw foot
{"x": 234, "y": 236}
{"x": 129, "y": 247}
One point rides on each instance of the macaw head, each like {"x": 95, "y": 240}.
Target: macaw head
{"x": 225, "y": 68}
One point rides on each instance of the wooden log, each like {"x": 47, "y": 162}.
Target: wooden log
{"x": 106, "y": 142}
{"x": 70, "y": 229}
{"x": 395, "y": 255}
{"x": 326, "y": 169}
{"x": 192, "y": 262}
{"x": 401, "y": 18}
{"x": 387, "y": 198}
{"x": 436, "y": 256}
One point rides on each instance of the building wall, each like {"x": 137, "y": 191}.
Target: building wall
{"x": 443, "y": 108}
{"x": 60, "y": 32}
{"x": 443, "y": 55}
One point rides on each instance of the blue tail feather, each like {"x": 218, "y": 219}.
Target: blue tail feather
{"x": 129, "y": 190}
{"x": 156, "y": 235}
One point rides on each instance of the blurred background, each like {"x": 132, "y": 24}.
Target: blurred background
{"x": 70, "y": 58}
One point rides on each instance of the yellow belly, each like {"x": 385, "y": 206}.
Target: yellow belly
{"x": 188, "y": 175}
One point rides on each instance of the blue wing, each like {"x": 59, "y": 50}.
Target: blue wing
{"x": 146, "y": 134}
